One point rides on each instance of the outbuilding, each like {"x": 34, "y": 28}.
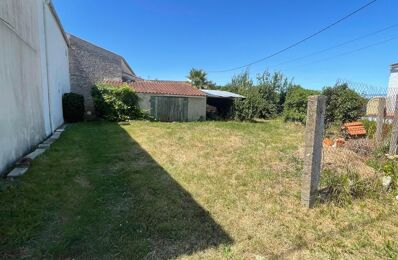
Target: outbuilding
{"x": 171, "y": 100}
{"x": 219, "y": 103}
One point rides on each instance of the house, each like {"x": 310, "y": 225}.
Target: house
{"x": 392, "y": 89}
{"x": 169, "y": 100}
{"x": 34, "y": 74}
{"x": 219, "y": 103}
{"x": 90, "y": 64}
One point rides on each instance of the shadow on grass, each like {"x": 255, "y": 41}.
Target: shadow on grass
{"x": 174, "y": 223}
{"x": 98, "y": 194}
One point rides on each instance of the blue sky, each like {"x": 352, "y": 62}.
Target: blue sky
{"x": 165, "y": 39}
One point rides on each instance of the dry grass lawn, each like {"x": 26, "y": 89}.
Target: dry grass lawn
{"x": 208, "y": 190}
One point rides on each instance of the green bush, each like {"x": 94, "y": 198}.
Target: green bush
{"x": 343, "y": 104}
{"x": 390, "y": 168}
{"x": 370, "y": 127}
{"x": 295, "y": 107}
{"x": 73, "y": 107}
{"x": 116, "y": 103}
{"x": 263, "y": 99}
{"x": 253, "y": 106}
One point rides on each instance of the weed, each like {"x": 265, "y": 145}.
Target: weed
{"x": 343, "y": 188}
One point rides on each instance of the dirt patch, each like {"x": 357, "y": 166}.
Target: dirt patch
{"x": 343, "y": 160}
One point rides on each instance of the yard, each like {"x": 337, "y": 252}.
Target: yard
{"x": 183, "y": 190}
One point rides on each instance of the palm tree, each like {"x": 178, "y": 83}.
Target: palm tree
{"x": 198, "y": 78}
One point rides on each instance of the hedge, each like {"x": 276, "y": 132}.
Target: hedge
{"x": 116, "y": 103}
{"x": 73, "y": 107}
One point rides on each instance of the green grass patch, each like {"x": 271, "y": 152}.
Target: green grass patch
{"x": 207, "y": 190}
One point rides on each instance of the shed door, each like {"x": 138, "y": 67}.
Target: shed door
{"x": 169, "y": 109}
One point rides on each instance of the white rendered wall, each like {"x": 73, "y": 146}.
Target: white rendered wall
{"x": 24, "y": 106}
{"x": 21, "y": 116}
{"x": 57, "y": 67}
{"x": 392, "y": 89}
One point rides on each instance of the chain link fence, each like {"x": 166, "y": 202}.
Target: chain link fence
{"x": 352, "y": 153}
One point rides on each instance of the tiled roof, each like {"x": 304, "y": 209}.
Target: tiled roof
{"x": 180, "y": 88}
{"x": 165, "y": 87}
{"x": 115, "y": 83}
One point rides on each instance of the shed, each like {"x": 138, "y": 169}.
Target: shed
{"x": 171, "y": 100}
{"x": 219, "y": 102}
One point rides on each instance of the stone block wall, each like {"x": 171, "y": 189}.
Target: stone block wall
{"x": 89, "y": 64}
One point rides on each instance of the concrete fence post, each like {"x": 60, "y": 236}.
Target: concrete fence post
{"x": 313, "y": 149}
{"x": 380, "y": 120}
{"x": 394, "y": 130}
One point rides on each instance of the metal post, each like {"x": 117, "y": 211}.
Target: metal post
{"x": 394, "y": 131}
{"x": 313, "y": 149}
{"x": 380, "y": 120}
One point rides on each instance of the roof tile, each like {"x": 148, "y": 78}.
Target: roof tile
{"x": 178, "y": 88}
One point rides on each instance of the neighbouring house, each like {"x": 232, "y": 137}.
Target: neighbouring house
{"x": 392, "y": 89}
{"x": 392, "y": 92}
{"x": 34, "y": 74}
{"x": 90, "y": 64}
{"x": 169, "y": 100}
{"x": 220, "y": 103}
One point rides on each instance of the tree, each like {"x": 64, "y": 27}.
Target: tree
{"x": 343, "y": 104}
{"x": 273, "y": 88}
{"x": 295, "y": 106}
{"x": 198, "y": 79}
{"x": 263, "y": 99}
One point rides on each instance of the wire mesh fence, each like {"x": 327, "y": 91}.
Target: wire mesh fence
{"x": 352, "y": 153}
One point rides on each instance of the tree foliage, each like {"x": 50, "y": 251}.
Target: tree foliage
{"x": 198, "y": 79}
{"x": 263, "y": 98}
{"x": 295, "y": 106}
{"x": 343, "y": 104}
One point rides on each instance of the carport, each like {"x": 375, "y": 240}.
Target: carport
{"x": 219, "y": 103}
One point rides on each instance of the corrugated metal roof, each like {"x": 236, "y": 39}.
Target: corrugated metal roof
{"x": 220, "y": 94}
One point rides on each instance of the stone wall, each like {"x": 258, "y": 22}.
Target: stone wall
{"x": 89, "y": 64}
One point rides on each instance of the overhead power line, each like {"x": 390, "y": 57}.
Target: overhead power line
{"x": 299, "y": 42}
{"x": 349, "y": 52}
{"x": 339, "y": 44}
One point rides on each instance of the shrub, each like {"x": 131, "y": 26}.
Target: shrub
{"x": 295, "y": 107}
{"x": 343, "y": 104}
{"x": 390, "y": 168}
{"x": 370, "y": 127}
{"x": 251, "y": 107}
{"x": 116, "y": 103}
{"x": 73, "y": 107}
{"x": 264, "y": 98}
